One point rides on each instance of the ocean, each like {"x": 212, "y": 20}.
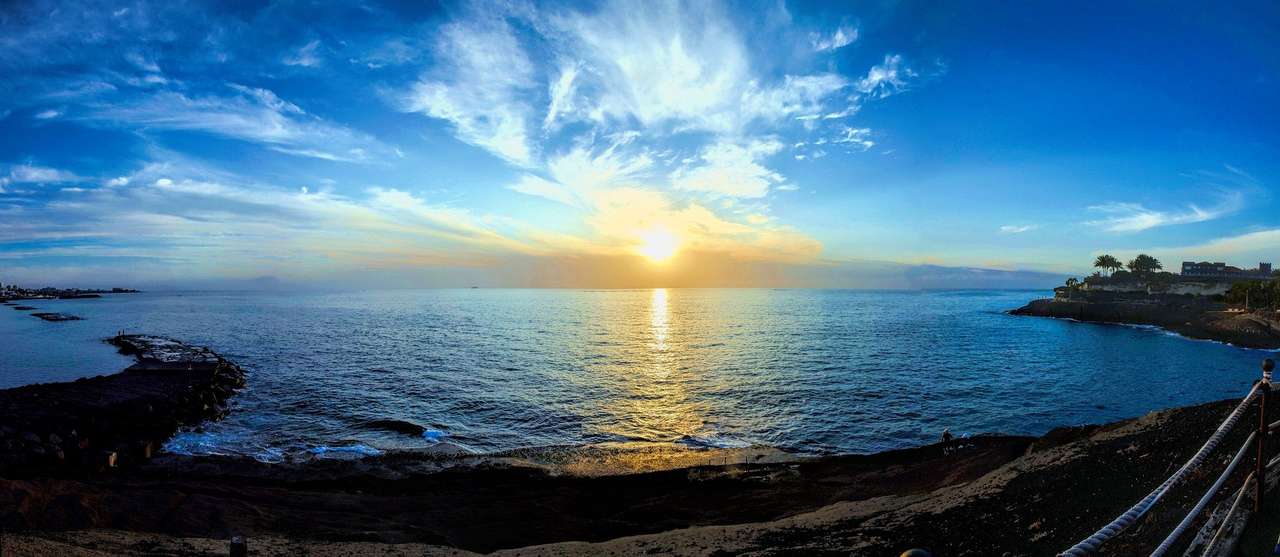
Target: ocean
{"x": 489, "y": 370}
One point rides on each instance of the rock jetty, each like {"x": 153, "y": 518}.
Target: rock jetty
{"x": 112, "y": 421}
{"x": 56, "y": 316}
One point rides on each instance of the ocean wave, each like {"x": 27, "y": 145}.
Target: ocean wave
{"x": 209, "y": 443}
{"x": 713, "y": 439}
{"x": 357, "y": 450}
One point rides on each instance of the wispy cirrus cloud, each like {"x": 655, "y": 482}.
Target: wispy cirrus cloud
{"x": 842, "y": 37}
{"x": 29, "y": 174}
{"x": 887, "y": 78}
{"x": 731, "y": 170}
{"x": 661, "y": 68}
{"x": 306, "y": 56}
{"x": 246, "y": 113}
{"x": 1018, "y": 228}
{"x": 480, "y": 87}
{"x": 1135, "y": 217}
{"x": 657, "y": 73}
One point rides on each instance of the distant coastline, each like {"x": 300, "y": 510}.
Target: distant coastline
{"x": 11, "y": 294}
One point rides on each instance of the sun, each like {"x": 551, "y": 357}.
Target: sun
{"x": 658, "y": 245}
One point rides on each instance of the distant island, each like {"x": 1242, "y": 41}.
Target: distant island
{"x": 1212, "y": 301}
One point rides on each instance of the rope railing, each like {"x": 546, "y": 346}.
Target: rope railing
{"x": 1168, "y": 542}
{"x": 1260, "y": 389}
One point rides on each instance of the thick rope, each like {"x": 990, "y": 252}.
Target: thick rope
{"x": 1092, "y": 543}
{"x": 1168, "y": 542}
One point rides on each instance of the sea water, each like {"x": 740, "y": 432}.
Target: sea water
{"x": 816, "y": 371}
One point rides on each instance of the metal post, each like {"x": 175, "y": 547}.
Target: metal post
{"x": 1260, "y": 471}
{"x": 239, "y": 548}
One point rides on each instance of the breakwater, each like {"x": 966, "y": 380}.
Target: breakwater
{"x": 117, "y": 420}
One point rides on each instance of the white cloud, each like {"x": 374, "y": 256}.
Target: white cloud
{"x": 1018, "y": 229}
{"x": 843, "y": 36}
{"x": 731, "y": 169}
{"x": 254, "y": 114}
{"x": 576, "y": 176}
{"x": 1262, "y": 242}
{"x": 561, "y": 92}
{"x": 1134, "y": 217}
{"x": 28, "y": 174}
{"x": 141, "y": 62}
{"x": 48, "y": 114}
{"x": 393, "y": 52}
{"x": 663, "y": 64}
{"x": 529, "y": 184}
{"x": 480, "y": 88}
{"x": 678, "y": 67}
{"x": 856, "y": 137}
{"x": 886, "y": 78}
{"x": 802, "y": 95}
{"x": 305, "y": 56}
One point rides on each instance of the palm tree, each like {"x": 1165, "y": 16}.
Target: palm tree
{"x": 1108, "y": 263}
{"x": 1073, "y": 284}
{"x": 1144, "y": 264}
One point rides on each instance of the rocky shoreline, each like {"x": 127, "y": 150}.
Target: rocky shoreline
{"x": 1192, "y": 317}
{"x": 47, "y": 316}
{"x": 981, "y": 496}
{"x": 111, "y": 421}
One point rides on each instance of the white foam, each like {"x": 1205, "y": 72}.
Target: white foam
{"x": 342, "y": 451}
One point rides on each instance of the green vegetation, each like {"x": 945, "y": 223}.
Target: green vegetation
{"x": 1108, "y": 263}
{"x": 1143, "y": 268}
{"x": 1144, "y": 264}
{"x": 1255, "y": 293}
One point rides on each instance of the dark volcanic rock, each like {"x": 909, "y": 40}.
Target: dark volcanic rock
{"x": 398, "y": 426}
{"x": 23, "y": 308}
{"x": 1193, "y": 318}
{"x": 113, "y": 420}
{"x": 56, "y": 317}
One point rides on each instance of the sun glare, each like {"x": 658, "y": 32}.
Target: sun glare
{"x": 658, "y": 245}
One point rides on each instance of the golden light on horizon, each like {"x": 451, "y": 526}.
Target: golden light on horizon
{"x": 658, "y": 245}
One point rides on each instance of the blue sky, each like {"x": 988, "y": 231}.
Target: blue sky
{"x": 553, "y": 144}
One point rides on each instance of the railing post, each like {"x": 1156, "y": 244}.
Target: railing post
{"x": 1260, "y": 472}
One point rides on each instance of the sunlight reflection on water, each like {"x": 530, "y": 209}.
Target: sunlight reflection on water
{"x": 809, "y": 370}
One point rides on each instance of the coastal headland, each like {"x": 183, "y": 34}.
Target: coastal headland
{"x": 985, "y": 495}
{"x": 1196, "y": 317}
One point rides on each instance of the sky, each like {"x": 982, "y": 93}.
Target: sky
{"x": 632, "y": 144}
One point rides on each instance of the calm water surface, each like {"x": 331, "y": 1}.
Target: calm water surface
{"x": 802, "y": 370}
